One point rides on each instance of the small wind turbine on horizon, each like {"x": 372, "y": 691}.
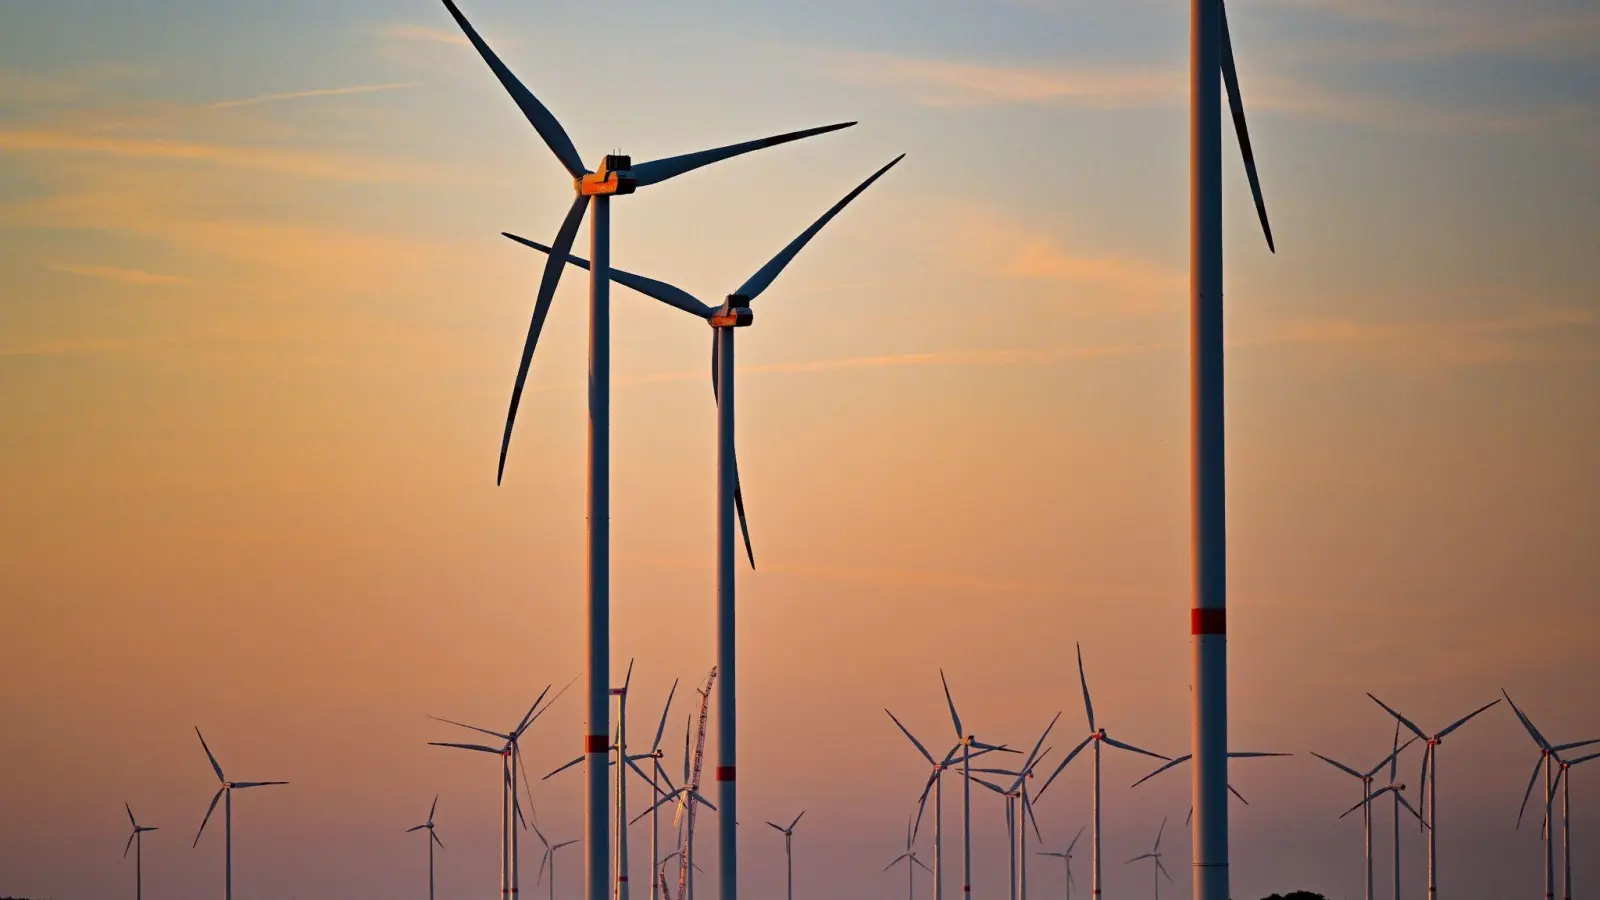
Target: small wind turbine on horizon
{"x": 788, "y": 850}
{"x": 136, "y": 840}
{"x": 224, "y": 793}
{"x": 433, "y": 838}
{"x": 1066, "y": 857}
{"x": 1564, "y": 783}
{"x": 1549, "y": 757}
{"x": 1154, "y": 855}
{"x": 1430, "y": 788}
{"x": 617, "y": 176}
{"x": 1367, "y": 795}
{"x": 1014, "y": 793}
{"x": 968, "y": 742}
{"x": 1097, "y": 736}
{"x": 909, "y": 857}
{"x": 549, "y": 858}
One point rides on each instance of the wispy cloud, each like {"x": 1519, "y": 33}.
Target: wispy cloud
{"x": 309, "y": 94}
{"x": 1530, "y": 29}
{"x": 955, "y": 83}
{"x": 119, "y": 274}
{"x": 281, "y": 160}
{"x": 425, "y": 34}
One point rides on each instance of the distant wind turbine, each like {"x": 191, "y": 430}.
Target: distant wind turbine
{"x": 911, "y": 862}
{"x": 433, "y": 838}
{"x": 1365, "y": 806}
{"x": 1097, "y": 736}
{"x": 788, "y": 849}
{"x": 1014, "y": 792}
{"x": 136, "y": 840}
{"x": 1430, "y": 788}
{"x": 1566, "y": 817}
{"x": 618, "y": 176}
{"x": 549, "y": 858}
{"x": 1066, "y": 857}
{"x": 968, "y": 743}
{"x": 1154, "y": 855}
{"x": 1549, "y": 758}
{"x": 224, "y": 793}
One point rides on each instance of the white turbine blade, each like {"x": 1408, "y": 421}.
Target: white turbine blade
{"x": 1131, "y": 748}
{"x": 1230, "y": 79}
{"x": 738, "y": 486}
{"x": 993, "y": 787}
{"x": 922, "y": 803}
{"x": 149, "y": 828}
{"x": 503, "y": 737}
{"x": 640, "y": 772}
{"x": 664, "y": 776}
{"x": 885, "y": 868}
{"x": 415, "y": 828}
{"x": 564, "y": 844}
{"x": 528, "y": 719}
{"x": 435, "y": 835}
{"x": 433, "y": 808}
{"x": 1070, "y": 757}
{"x": 796, "y": 820}
{"x": 555, "y": 137}
{"x": 1163, "y": 870}
{"x": 662, "y": 727}
{"x": 543, "y": 861}
{"x": 131, "y": 820}
{"x": 954, "y": 719}
{"x": 983, "y": 748}
{"x": 916, "y": 743}
{"x": 1391, "y": 759}
{"x": 1141, "y": 856}
{"x": 1582, "y": 759}
{"x": 558, "y": 696}
{"x": 209, "y": 755}
{"x": 540, "y": 835}
{"x": 922, "y": 864}
{"x": 1466, "y": 718}
{"x": 209, "y": 810}
{"x": 763, "y": 278}
{"x": 1575, "y": 745}
{"x": 1527, "y": 723}
{"x": 129, "y": 846}
{"x": 241, "y": 785}
{"x": 1399, "y": 718}
{"x": 1088, "y": 705}
{"x": 1075, "y": 840}
{"x": 553, "y": 267}
{"x": 1165, "y": 766}
{"x": 779, "y": 827}
{"x": 659, "y": 290}
{"x": 1034, "y": 753}
{"x": 659, "y": 170}
{"x": 1027, "y": 809}
{"x": 703, "y": 801}
{"x": 1407, "y": 804}
{"x": 1529, "y": 792}
{"x": 497, "y": 751}
{"x": 1371, "y": 797}
{"x": 1159, "y": 832}
{"x": 562, "y": 768}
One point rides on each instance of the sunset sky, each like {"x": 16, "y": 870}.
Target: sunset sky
{"x": 258, "y": 330}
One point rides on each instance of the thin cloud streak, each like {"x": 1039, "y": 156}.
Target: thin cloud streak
{"x": 423, "y": 34}
{"x": 309, "y": 94}
{"x": 119, "y": 274}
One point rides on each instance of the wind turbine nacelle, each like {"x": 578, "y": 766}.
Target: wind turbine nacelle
{"x": 735, "y": 313}
{"x": 613, "y": 178}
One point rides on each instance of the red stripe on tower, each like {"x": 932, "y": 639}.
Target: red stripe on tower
{"x": 724, "y": 773}
{"x": 1208, "y": 621}
{"x": 595, "y": 743}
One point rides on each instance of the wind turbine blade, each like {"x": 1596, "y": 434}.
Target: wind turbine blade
{"x": 1070, "y": 757}
{"x": 415, "y": 828}
{"x": 558, "y": 696}
{"x": 1394, "y": 758}
{"x": 1230, "y": 79}
{"x": 540, "y": 835}
{"x": 553, "y": 267}
{"x": 983, "y": 748}
{"x": 659, "y": 290}
{"x": 1171, "y": 764}
{"x": 661, "y": 728}
{"x": 640, "y": 772}
{"x": 1159, "y": 832}
{"x": 543, "y": 861}
{"x": 1582, "y": 759}
{"x": 211, "y": 756}
{"x": 478, "y": 747}
{"x": 241, "y": 785}
{"x": 1575, "y": 745}
{"x": 503, "y": 737}
{"x": 1088, "y": 705}
{"x": 659, "y": 170}
{"x": 1249, "y": 754}
{"x": 433, "y": 808}
{"x": 1075, "y": 839}
{"x": 1234, "y": 792}
{"x": 954, "y": 719}
{"x": 778, "y": 827}
{"x": 1466, "y": 718}
{"x": 796, "y": 820}
{"x": 1389, "y": 761}
{"x": 1139, "y": 857}
{"x": 763, "y": 278}
{"x": 528, "y": 719}
{"x": 703, "y": 801}
{"x": 149, "y": 828}
{"x": 555, "y": 137}
{"x": 922, "y": 864}
{"x": 892, "y": 864}
{"x": 527, "y": 783}
{"x": 1526, "y": 723}
{"x": 1163, "y": 870}
{"x": 1399, "y": 718}
{"x": 1367, "y": 800}
{"x": 131, "y": 820}
{"x": 564, "y": 844}
{"x": 1407, "y": 804}
{"x": 1422, "y": 797}
{"x": 1034, "y": 753}
{"x": 1132, "y": 749}
{"x": 1529, "y": 792}
{"x": 991, "y": 786}
{"x": 563, "y": 768}
{"x": 129, "y": 846}
{"x": 435, "y": 835}
{"x": 910, "y": 737}
{"x": 1027, "y": 808}
{"x": 922, "y": 803}
{"x": 738, "y": 487}
{"x": 209, "y": 810}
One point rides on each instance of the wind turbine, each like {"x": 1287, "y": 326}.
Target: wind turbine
{"x": 1430, "y": 783}
{"x": 912, "y": 862}
{"x": 224, "y": 793}
{"x": 1097, "y": 736}
{"x": 1066, "y": 857}
{"x": 685, "y": 795}
{"x": 1549, "y": 757}
{"x": 1210, "y": 55}
{"x": 136, "y": 840}
{"x": 617, "y": 176}
{"x": 936, "y": 785}
{"x": 549, "y": 858}
{"x": 1014, "y": 792}
{"x": 967, "y": 743}
{"x": 1566, "y": 817}
{"x": 433, "y": 838}
{"x": 1155, "y": 855}
{"x": 788, "y": 849}
{"x": 1366, "y": 806}
{"x": 1180, "y": 760}
{"x": 510, "y": 763}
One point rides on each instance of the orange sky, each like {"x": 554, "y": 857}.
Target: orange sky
{"x": 258, "y": 333}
